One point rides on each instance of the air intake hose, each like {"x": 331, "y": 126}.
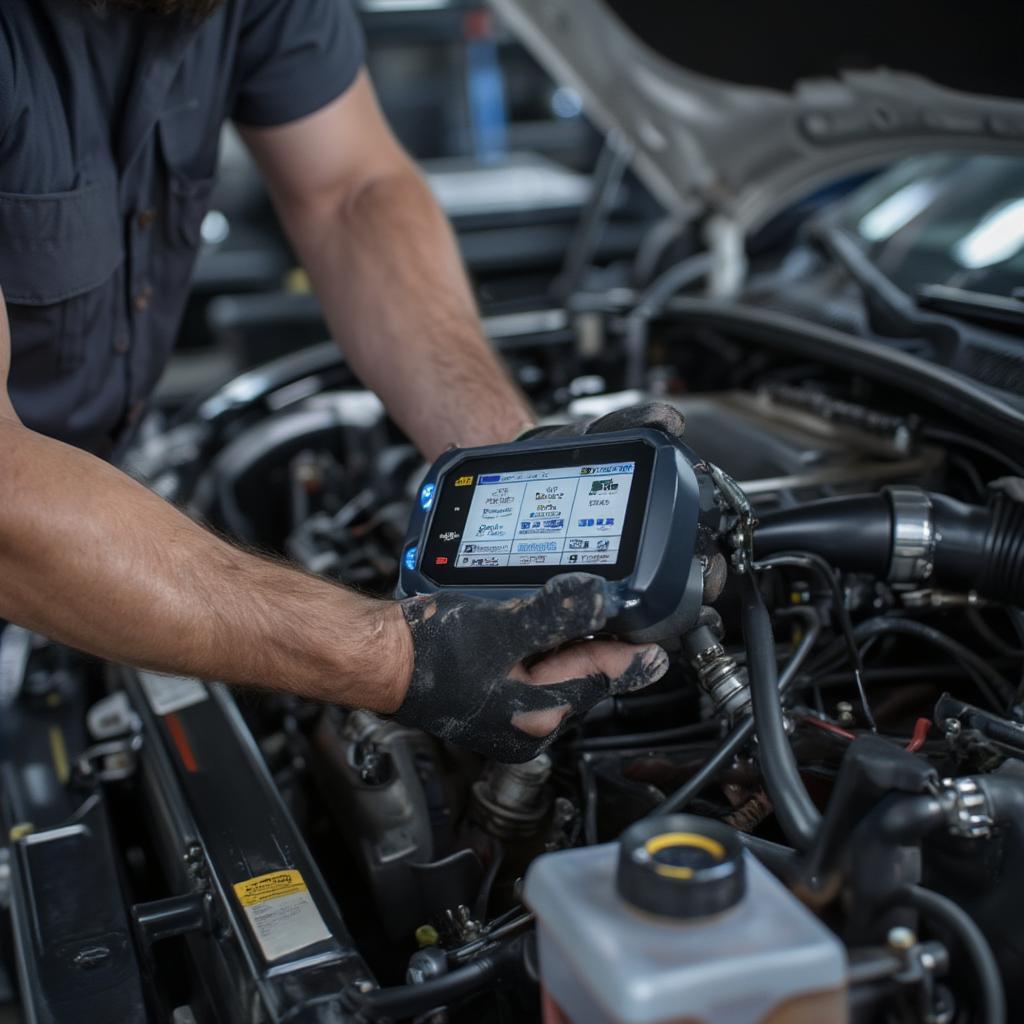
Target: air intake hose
{"x": 907, "y": 535}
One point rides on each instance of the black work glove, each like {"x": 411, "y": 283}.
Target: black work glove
{"x": 656, "y": 415}
{"x": 470, "y": 685}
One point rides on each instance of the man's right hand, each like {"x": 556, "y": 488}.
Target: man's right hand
{"x": 476, "y": 679}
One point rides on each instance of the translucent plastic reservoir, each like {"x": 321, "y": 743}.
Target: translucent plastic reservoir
{"x": 602, "y": 961}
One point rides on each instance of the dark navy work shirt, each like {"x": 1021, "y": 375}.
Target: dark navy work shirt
{"x": 109, "y": 127}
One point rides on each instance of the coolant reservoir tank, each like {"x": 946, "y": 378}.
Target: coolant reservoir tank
{"x": 677, "y": 924}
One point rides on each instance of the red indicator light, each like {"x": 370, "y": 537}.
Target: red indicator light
{"x": 440, "y": 560}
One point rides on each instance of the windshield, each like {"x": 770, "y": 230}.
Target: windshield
{"x": 949, "y": 220}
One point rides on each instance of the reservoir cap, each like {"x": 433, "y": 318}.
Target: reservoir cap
{"x": 681, "y": 865}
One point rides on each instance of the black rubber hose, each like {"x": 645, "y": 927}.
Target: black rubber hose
{"x": 742, "y": 732}
{"x": 981, "y": 549}
{"x": 1005, "y": 795}
{"x": 404, "y": 1001}
{"x": 976, "y": 548}
{"x": 944, "y": 911}
{"x": 857, "y": 527}
{"x": 797, "y": 815}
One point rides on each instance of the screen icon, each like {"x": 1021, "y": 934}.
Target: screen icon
{"x": 440, "y": 560}
{"x": 464, "y": 481}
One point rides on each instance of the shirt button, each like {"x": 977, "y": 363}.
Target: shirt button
{"x": 122, "y": 343}
{"x": 142, "y": 299}
{"x": 146, "y": 219}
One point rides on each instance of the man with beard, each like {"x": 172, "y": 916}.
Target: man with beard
{"x": 110, "y": 114}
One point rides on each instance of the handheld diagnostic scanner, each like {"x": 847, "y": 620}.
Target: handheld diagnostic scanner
{"x": 501, "y": 520}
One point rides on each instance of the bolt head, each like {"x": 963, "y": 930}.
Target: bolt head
{"x": 901, "y": 938}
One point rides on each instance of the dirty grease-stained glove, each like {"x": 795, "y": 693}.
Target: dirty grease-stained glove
{"x": 475, "y": 681}
{"x": 654, "y": 415}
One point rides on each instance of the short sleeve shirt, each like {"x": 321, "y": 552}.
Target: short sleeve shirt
{"x": 109, "y": 127}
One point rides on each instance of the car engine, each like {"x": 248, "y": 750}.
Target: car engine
{"x": 871, "y": 573}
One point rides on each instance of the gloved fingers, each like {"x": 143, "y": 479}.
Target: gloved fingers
{"x": 658, "y": 415}
{"x": 554, "y": 430}
{"x": 574, "y": 680}
{"x": 609, "y": 658}
{"x": 646, "y": 668}
{"x": 541, "y": 723}
{"x": 642, "y": 666}
{"x": 567, "y": 607}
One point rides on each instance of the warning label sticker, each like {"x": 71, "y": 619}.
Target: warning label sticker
{"x": 167, "y": 694}
{"x": 281, "y": 913}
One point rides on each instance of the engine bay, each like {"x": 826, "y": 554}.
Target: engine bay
{"x": 868, "y": 566}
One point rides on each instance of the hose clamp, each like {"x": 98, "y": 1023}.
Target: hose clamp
{"x": 967, "y": 811}
{"x": 913, "y": 535}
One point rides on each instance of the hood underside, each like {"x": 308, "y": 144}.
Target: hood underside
{"x": 705, "y": 144}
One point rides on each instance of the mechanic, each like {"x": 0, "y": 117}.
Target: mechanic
{"x": 110, "y": 115}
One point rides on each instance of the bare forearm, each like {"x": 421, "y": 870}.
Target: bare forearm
{"x": 396, "y": 297}
{"x": 93, "y": 559}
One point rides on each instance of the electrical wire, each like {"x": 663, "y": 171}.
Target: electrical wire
{"x": 996, "y": 689}
{"x": 951, "y": 437}
{"x": 626, "y": 741}
{"x": 990, "y": 636}
{"x": 742, "y": 732}
{"x": 942, "y": 910}
{"x": 816, "y": 564}
{"x": 714, "y": 764}
{"x": 825, "y": 726}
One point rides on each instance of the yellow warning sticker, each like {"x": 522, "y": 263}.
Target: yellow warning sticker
{"x": 464, "y": 481}
{"x": 269, "y": 887}
{"x": 281, "y": 912}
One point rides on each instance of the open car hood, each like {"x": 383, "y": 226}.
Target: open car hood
{"x": 745, "y": 151}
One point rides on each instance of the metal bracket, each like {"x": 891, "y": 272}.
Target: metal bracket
{"x": 111, "y": 761}
{"x": 742, "y": 535}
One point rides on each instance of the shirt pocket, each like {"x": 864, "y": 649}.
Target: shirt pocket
{"x": 188, "y": 202}
{"x": 58, "y": 256}
{"x": 190, "y": 163}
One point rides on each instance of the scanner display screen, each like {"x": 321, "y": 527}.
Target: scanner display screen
{"x": 522, "y": 518}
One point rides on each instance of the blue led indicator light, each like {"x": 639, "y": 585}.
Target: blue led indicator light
{"x": 410, "y": 558}
{"x": 427, "y": 496}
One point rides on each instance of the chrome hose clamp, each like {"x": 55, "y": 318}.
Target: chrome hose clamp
{"x": 967, "y": 810}
{"x": 913, "y": 535}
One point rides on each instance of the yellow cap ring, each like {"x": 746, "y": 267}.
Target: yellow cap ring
{"x": 671, "y": 840}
